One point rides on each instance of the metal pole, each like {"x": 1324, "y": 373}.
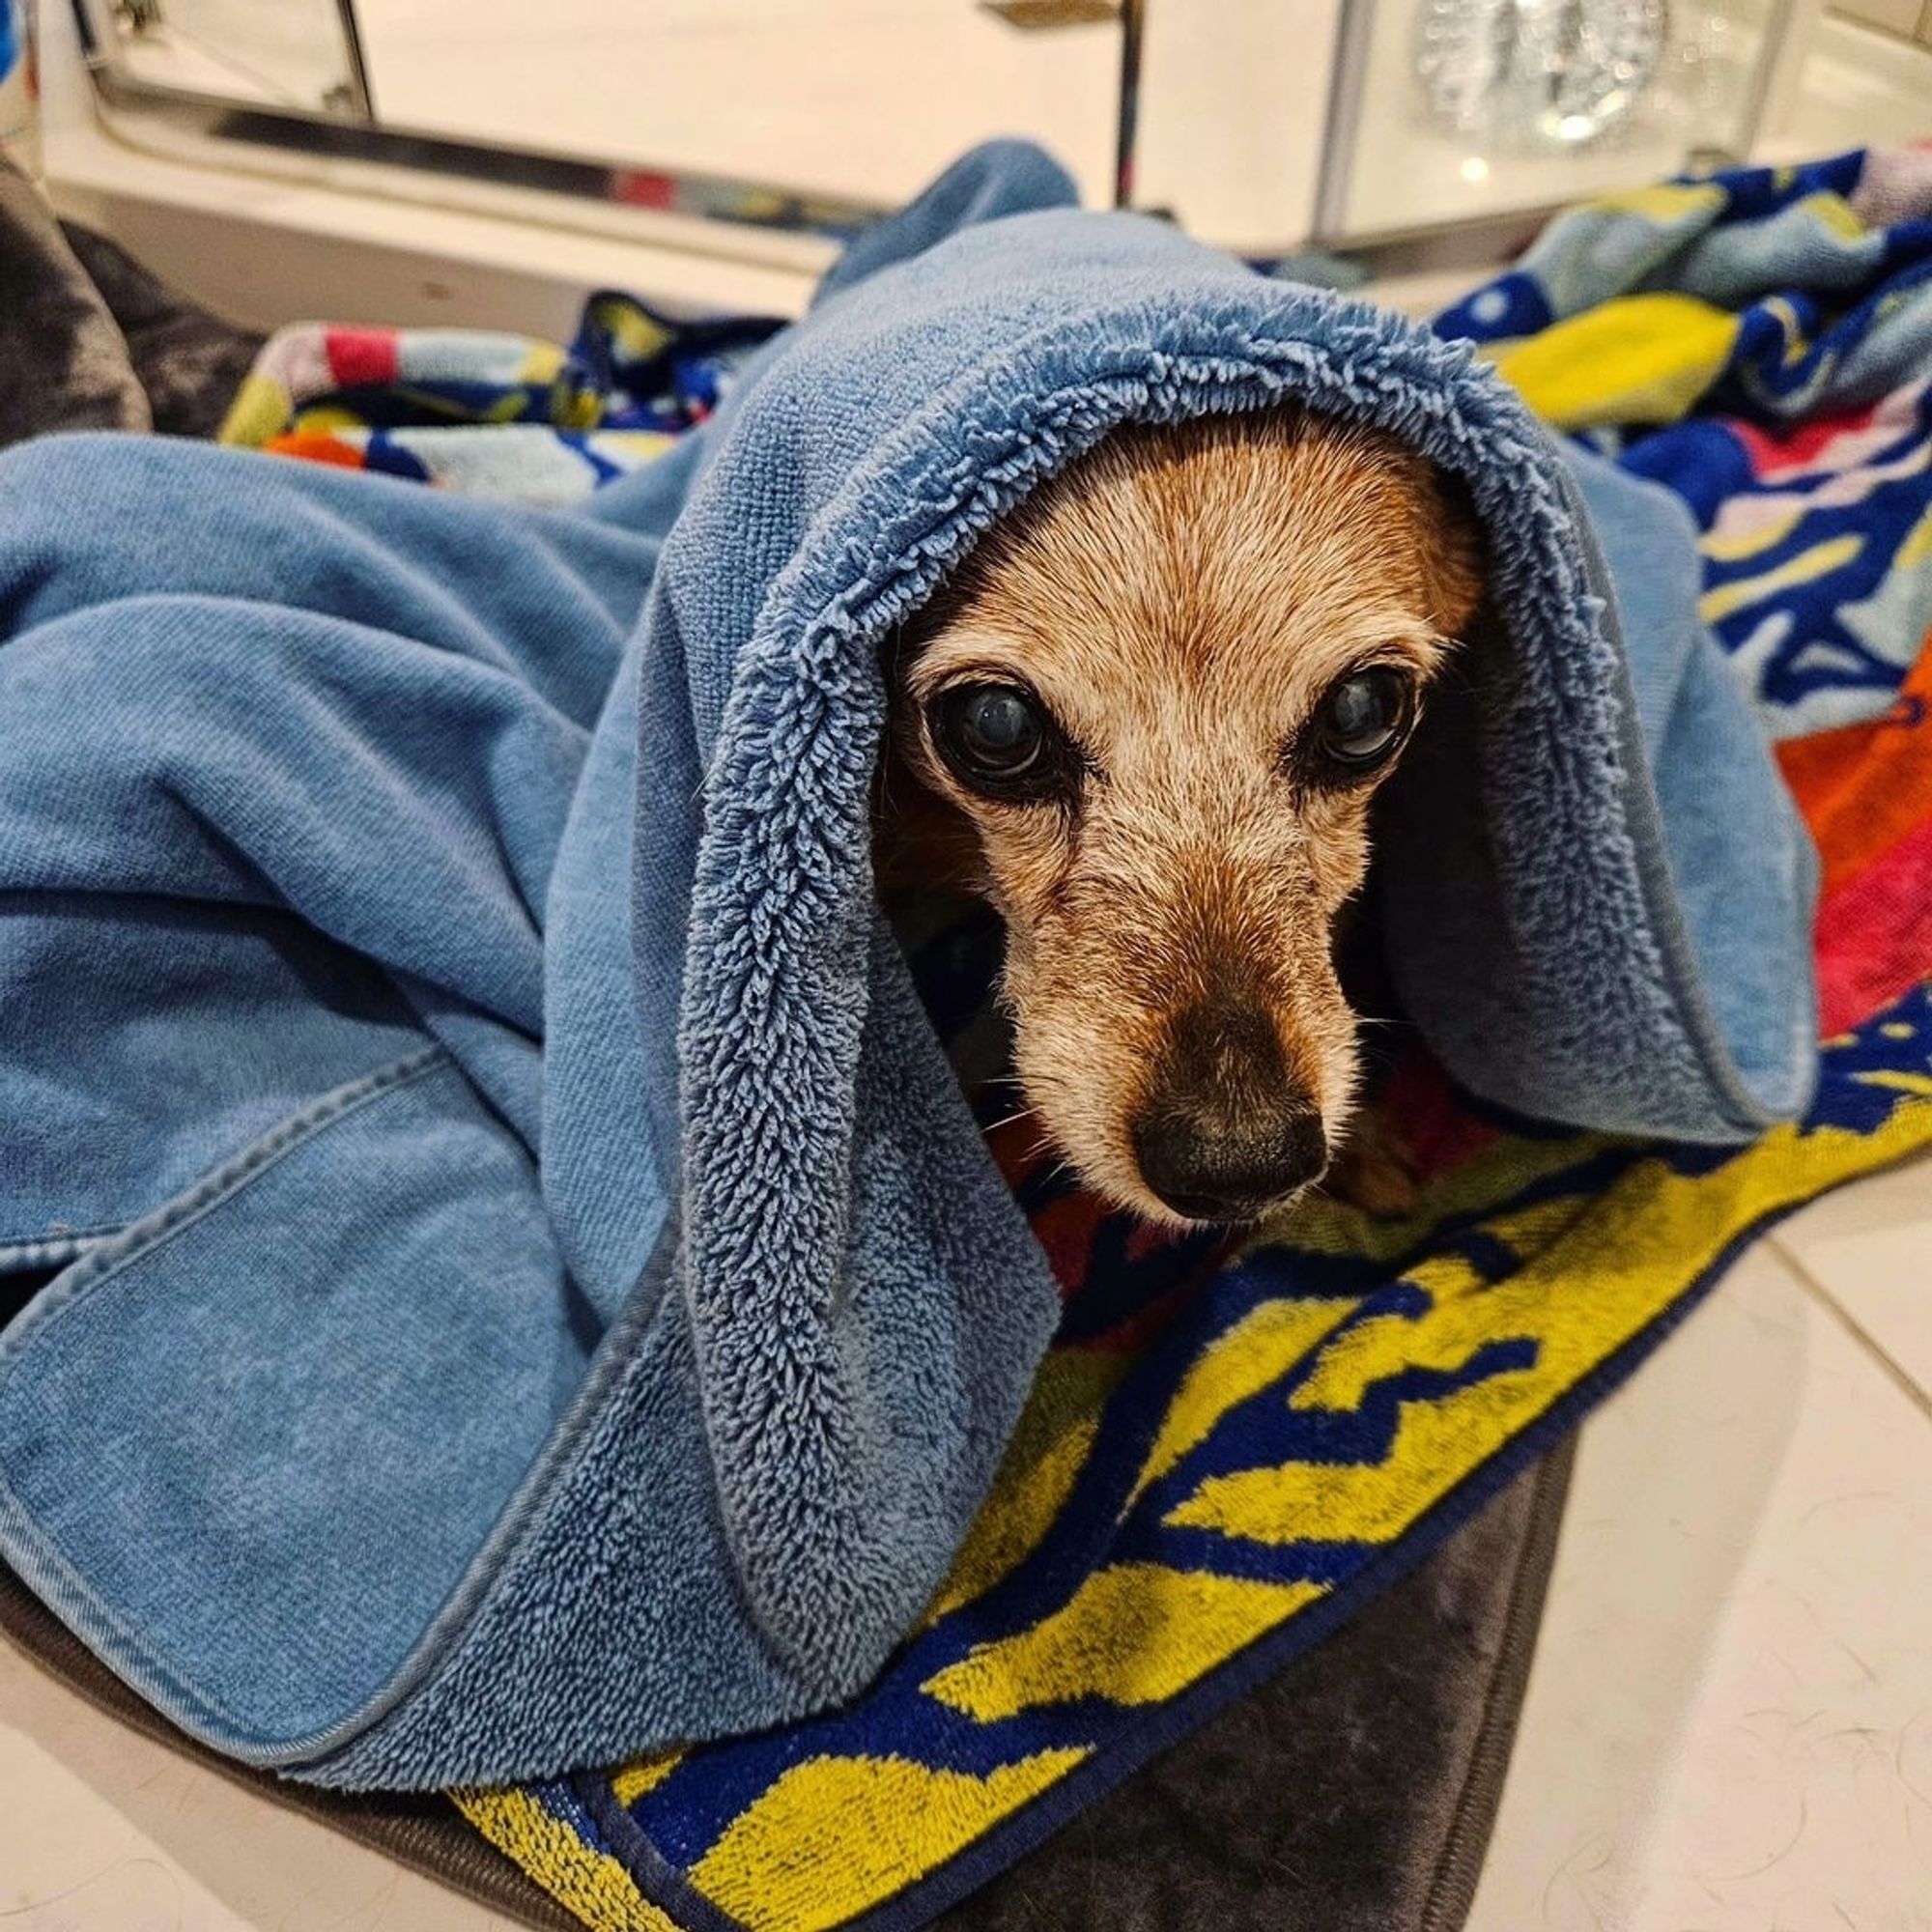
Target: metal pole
{"x": 365, "y": 96}
{"x": 1132, "y": 20}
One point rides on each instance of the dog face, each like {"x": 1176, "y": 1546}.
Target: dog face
{"x": 1151, "y": 713}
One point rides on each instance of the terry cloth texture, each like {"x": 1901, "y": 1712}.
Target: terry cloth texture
{"x": 1355, "y": 1787}
{"x": 492, "y": 415}
{"x": 413, "y": 834}
{"x": 1209, "y": 1478}
{"x": 1177, "y": 1519}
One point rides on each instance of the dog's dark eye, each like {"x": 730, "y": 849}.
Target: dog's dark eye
{"x": 998, "y": 739}
{"x": 1363, "y": 718}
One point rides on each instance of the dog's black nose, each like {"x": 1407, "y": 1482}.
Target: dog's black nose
{"x": 1227, "y": 1131}
{"x": 1222, "y": 1175}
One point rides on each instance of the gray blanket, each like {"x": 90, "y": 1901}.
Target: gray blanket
{"x": 90, "y": 340}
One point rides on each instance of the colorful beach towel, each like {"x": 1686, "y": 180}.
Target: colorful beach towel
{"x": 1225, "y": 1455}
{"x": 1761, "y": 344}
{"x": 487, "y": 414}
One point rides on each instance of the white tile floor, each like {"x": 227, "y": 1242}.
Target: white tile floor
{"x": 1730, "y": 1722}
{"x": 102, "y": 1832}
{"x": 1728, "y": 1727}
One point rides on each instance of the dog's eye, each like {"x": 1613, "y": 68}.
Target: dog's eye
{"x": 1363, "y": 718}
{"x": 1000, "y": 740}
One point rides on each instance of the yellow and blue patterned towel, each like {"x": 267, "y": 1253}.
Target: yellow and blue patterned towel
{"x": 1227, "y": 1454}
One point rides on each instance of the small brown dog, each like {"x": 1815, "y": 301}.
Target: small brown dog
{"x": 1146, "y": 721}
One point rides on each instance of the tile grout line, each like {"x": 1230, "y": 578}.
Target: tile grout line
{"x": 1920, "y": 1398}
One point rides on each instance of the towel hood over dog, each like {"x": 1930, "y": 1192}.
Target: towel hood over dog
{"x": 525, "y": 1285}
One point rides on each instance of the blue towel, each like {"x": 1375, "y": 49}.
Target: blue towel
{"x": 526, "y": 1286}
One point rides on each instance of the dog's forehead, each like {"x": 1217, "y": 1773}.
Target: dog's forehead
{"x": 1186, "y": 551}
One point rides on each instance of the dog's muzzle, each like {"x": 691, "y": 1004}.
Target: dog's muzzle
{"x": 1226, "y": 1132}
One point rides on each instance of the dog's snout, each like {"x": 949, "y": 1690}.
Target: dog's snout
{"x": 1220, "y": 1176}
{"x": 1225, "y": 1131}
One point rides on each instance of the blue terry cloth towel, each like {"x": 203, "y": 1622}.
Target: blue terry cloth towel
{"x": 525, "y": 1285}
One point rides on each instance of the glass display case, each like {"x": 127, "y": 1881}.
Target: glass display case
{"x": 300, "y": 56}
{"x": 1447, "y": 111}
{"x": 1262, "y": 124}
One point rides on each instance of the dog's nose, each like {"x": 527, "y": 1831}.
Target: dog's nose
{"x": 1230, "y": 1174}
{"x": 1226, "y": 1130}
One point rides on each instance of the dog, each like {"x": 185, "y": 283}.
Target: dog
{"x": 1145, "y": 721}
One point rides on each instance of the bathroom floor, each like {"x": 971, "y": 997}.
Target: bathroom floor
{"x": 1729, "y": 1721}
{"x": 1728, "y": 1726}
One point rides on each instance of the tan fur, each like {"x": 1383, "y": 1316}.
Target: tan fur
{"x": 1181, "y": 599}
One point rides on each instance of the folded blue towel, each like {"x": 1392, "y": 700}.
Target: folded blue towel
{"x": 528, "y": 1286}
